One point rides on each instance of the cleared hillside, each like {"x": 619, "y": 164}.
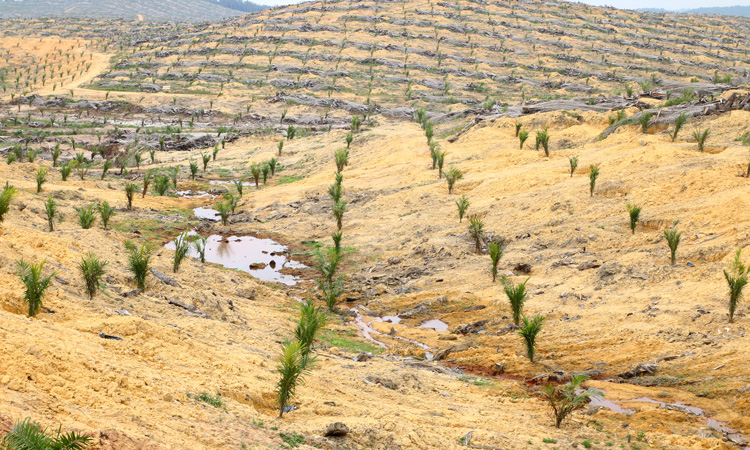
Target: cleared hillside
{"x": 385, "y": 100}
{"x": 148, "y": 10}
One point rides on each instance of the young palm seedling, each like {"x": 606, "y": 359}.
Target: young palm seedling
{"x": 634, "y": 212}
{"x": 5, "y": 198}
{"x": 518, "y": 128}
{"x": 161, "y": 184}
{"x": 206, "y": 157}
{"x": 273, "y": 164}
{"x": 200, "y": 247}
{"x": 566, "y": 399}
{"x": 106, "y": 212}
{"x": 476, "y": 231}
{"x": 181, "y": 250}
{"x": 644, "y": 120}
{"x": 66, "y": 169}
{"x": 462, "y": 204}
{"x": 82, "y": 168}
{"x": 41, "y": 178}
{"x": 573, "y": 160}
{"x": 700, "y": 138}
{"x": 86, "y": 216}
{"x": 29, "y": 435}
{"x": 92, "y": 270}
{"x": 496, "y": 252}
{"x": 280, "y": 146}
{"x": 440, "y": 161}
{"x": 517, "y": 297}
{"x": 255, "y": 170}
{"x": 542, "y": 139}
{"x": 294, "y": 364}
{"x": 146, "y": 182}
{"x": 50, "y": 208}
{"x": 451, "y": 176}
{"x": 737, "y": 279}
{"x": 678, "y": 123}
{"x": 238, "y": 184}
{"x": 349, "y": 140}
{"x": 138, "y": 262}
{"x": 130, "y": 190}
{"x": 225, "y": 210}
{"x": 105, "y": 168}
{"x": 339, "y": 208}
{"x": 193, "y": 169}
{"x": 311, "y": 321}
{"x": 673, "y": 240}
{"x": 334, "y": 191}
{"x": 529, "y": 332}
{"x": 341, "y": 157}
{"x": 56, "y": 152}
{"x": 522, "y": 136}
{"x": 36, "y": 285}
{"x": 265, "y": 170}
{"x": 593, "y": 175}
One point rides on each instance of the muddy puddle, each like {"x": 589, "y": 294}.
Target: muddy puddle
{"x": 206, "y": 213}
{"x": 435, "y": 324}
{"x": 194, "y": 194}
{"x": 264, "y": 259}
{"x": 624, "y": 407}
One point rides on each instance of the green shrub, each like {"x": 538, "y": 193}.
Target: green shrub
{"x": 50, "y": 208}
{"x": 291, "y": 132}
{"x": 349, "y": 140}
{"x": 105, "y": 212}
{"x": 593, "y": 175}
{"x": 92, "y": 270}
{"x": 451, "y": 176}
{"x": 29, "y": 435}
{"x": 634, "y": 212}
{"x": 522, "y": 136}
{"x": 41, "y": 178}
{"x": 86, "y": 216}
{"x": 5, "y": 198}
{"x": 529, "y": 332}
{"x": 700, "y": 137}
{"x": 496, "y": 252}
{"x": 573, "y": 160}
{"x": 737, "y": 279}
{"x": 516, "y": 297}
{"x": 138, "y": 262}
{"x": 476, "y": 231}
{"x": 462, "y": 204}
{"x": 273, "y": 164}
{"x": 36, "y": 285}
{"x": 294, "y": 364}
{"x": 678, "y": 123}
{"x": 130, "y": 190}
{"x": 566, "y": 399}
{"x": 673, "y": 240}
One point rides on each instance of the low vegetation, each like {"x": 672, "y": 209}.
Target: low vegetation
{"x": 35, "y": 283}
{"x": 568, "y": 398}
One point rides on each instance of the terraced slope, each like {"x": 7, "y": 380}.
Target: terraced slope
{"x": 156, "y": 10}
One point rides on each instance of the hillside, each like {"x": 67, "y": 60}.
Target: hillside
{"x": 148, "y": 10}
{"x": 254, "y": 118}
